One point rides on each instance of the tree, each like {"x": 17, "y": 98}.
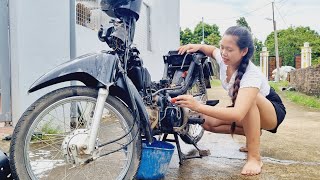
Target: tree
{"x": 242, "y": 22}
{"x": 186, "y": 36}
{"x": 257, "y": 43}
{"x": 211, "y": 34}
{"x": 257, "y": 50}
{"x": 212, "y": 39}
{"x": 208, "y": 30}
{"x": 290, "y": 42}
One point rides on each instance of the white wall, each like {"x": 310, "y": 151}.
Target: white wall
{"x": 165, "y": 34}
{"x": 39, "y": 36}
{"x": 87, "y": 41}
{"x": 40, "y": 40}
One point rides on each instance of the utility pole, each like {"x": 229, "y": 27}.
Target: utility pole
{"x": 276, "y": 44}
{"x": 202, "y": 42}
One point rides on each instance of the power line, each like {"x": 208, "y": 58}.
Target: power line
{"x": 281, "y": 16}
{"x": 244, "y": 14}
{"x": 283, "y": 2}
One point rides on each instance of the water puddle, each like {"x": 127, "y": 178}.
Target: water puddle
{"x": 289, "y": 162}
{"x": 271, "y": 160}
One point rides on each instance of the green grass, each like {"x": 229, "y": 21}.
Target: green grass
{"x": 215, "y": 82}
{"x": 48, "y": 129}
{"x": 296, "y": 97}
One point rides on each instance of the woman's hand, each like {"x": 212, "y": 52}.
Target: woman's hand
{"x": 189, "y": 48}
{"x": 188, "y": 101}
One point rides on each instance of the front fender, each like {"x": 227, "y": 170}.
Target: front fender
{"x": 89, "y": 69}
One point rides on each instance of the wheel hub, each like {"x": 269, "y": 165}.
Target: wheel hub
{"x": 74, "y": 148}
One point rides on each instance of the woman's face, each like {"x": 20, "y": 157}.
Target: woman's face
{"x": 230, "y": 52}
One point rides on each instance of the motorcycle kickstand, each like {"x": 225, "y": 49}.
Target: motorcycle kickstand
{"x": 182, "y": 156}
{"x": 202, "y": 152}
{"x": 175, "y": 140}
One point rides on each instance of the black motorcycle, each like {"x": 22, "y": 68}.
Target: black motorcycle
{"x": 95, "y": 130}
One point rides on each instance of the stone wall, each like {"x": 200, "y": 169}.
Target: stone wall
{"x": 306, "y": 80}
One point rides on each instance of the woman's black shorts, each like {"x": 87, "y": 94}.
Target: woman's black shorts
{"x": 274, "y": 98}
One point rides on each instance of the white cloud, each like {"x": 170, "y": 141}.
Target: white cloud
{"x": 224, "y": 13}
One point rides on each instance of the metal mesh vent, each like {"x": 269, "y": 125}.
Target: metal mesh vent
{"x": 89, "y": 14}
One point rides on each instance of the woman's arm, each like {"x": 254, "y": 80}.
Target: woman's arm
{"x": 245, "y": 98}
{"x": 208, "y": 50}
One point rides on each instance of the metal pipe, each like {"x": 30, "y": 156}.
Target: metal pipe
{"x": 276, "y": 45}
{"x": 73, "y": 54}
{"x": 102, "y": 96}
{"x": 5, "y": 67}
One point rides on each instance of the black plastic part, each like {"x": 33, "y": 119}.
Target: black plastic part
{"x": 196, "y": 121}
{"x": 212, "y": 102}
{"x": 120, "y": 8}
{"x": 90, "y": 69}
{"x": 140, "y": 77}
{"x": 5, "y": 171}
{"x": 175, "y": 59}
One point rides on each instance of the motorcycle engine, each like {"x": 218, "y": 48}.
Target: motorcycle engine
{"x": 153, "y": 116}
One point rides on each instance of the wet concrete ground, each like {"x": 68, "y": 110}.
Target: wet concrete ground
{"x": 292, "y": 153}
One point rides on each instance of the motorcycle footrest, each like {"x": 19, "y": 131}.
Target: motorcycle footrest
{"x": 212, "y": 102}
{"x": 196, "y": 121}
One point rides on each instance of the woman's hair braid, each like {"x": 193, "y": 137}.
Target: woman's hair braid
{"x": 244, "y": 40}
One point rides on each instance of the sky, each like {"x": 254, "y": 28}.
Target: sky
{"x": 224, "y": 13}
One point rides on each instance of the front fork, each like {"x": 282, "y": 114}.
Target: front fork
{"x": 93, "y": 132}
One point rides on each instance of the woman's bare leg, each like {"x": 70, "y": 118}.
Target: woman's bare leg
{"x": 261, "y": 115}
{"x": 245, "y": 148}
{"x": 251, "y": 126}
{"x": 218, "y": 126}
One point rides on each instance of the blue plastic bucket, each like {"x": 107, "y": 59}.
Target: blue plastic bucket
{"x": 155, "y": 160}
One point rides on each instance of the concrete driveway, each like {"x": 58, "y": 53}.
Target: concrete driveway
{"x": 292, "y": 153}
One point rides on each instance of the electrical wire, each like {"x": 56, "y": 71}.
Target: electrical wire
{"x": 281, "y": 16}
{"x": 244, "y": 14}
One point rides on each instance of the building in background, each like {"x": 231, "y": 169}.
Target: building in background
{"x": 40, "y": 40}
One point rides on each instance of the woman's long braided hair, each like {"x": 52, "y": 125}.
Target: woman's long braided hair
{"x": 244, "y": 40}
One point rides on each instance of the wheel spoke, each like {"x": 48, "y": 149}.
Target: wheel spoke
{"x": 48, "y": 144}
{"x": 50, "y": 133}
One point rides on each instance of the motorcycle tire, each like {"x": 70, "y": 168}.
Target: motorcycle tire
{"x": 21, "y": 160}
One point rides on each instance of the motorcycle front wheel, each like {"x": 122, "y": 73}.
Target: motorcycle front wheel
{"x": 38, "y": 139}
